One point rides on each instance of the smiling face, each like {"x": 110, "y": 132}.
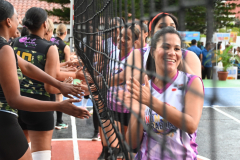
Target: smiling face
{"x": 141, "y": 40}
{"x": 115, "y": 32}
{"x": 125, "y": 39}
{"x": 164, "y": 22}
{"x": 168, "y": 51}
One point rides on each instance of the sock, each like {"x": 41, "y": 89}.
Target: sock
{"x": 42, "y": 155}
{"x": 84, "y": 102}
{"x": 29, "y": 144}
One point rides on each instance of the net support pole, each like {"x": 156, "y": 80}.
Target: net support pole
{"x": 71, "y": 24}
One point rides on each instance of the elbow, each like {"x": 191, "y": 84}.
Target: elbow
{"x": 191, "y": 128}
{"x": 13, "y": 101}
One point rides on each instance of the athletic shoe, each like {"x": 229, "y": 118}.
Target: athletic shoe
{"x": 91, "y": 112}
{"x": 95, "y": 137}
{"x": 120, "y": 155}
{"x": 61, "y": 126}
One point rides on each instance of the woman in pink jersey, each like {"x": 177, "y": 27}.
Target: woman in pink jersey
{"x": 178, "y": 133}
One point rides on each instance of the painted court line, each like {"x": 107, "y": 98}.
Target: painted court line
{"x": 74, "y": 138}
{"x": 202, "y": 158}
{"x": 215, "y": 106}
{"x": 228, "y": 115}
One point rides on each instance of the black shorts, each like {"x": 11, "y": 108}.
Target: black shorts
{"x": 13, "y": 143}
{"x": 36, "y": 121}
{"x": 123, "y": 118}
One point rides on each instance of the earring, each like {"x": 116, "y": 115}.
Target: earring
{"x": 10, "y": 26}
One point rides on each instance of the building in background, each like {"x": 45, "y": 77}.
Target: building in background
{"x": 22, "y": 6}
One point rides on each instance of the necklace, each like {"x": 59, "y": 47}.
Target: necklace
{"x": 3, "y": 38}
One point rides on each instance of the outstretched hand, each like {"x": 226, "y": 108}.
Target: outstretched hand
{"x": 126, "y": 98}
{"x": 68, "y": 89}
{"x": 67, "y": 107}
{"x": 80, "y": 75}
{"x": 136, "y": 89}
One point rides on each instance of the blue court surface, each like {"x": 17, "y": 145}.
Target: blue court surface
{"x": 218, "y": 135}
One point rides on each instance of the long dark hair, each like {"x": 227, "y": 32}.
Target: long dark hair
{"x": 6, "y": 10}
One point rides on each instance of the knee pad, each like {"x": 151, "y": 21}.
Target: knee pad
{"x": 42, "y": 155}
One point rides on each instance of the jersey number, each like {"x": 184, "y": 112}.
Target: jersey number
{"x": 25, "y": 55}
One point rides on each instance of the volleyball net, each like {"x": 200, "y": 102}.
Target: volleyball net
{"x": 102, "y": 47}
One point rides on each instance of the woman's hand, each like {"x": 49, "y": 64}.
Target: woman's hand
{"x": 126, "y": 98}
{"x": 67, "y": 107}
{"x": 80, "y": 75}
{"x": 68, "y": 89}
{"x": 136, "y": 89}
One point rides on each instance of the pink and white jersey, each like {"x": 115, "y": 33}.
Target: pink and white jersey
{"x": 111, "y": 46}
{"x": 145, "y": 52}
{"x": 176, "y": 146}
{"x": 116, "y": 68}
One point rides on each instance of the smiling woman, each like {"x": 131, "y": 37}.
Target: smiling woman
{"x": 166, "y": 100}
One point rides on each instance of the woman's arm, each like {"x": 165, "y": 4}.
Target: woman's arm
{"x": 134, "y": 59}
{"x": 193, "y": 105}
{"x": 67, "y": 53}
{"x": 52, "y": 67}
{"x": 36, "y": 73}
{"x": 191, "y": 64}
{"x": 10, "y": 85}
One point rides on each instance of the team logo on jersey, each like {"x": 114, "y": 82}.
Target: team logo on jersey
{"x": 159, "y": 124}
{"x": 179, "y": 87}
{"x": 28, "y": 42}
{"x": 54, "y": 40}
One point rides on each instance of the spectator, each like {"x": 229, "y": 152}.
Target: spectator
{"x": 195, "y": 49}
{"x": 201, "y": 45}
{"x": 206, "y": 61}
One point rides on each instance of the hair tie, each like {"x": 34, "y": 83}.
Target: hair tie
{"x": 25, "y": 26}
{"x": 150, "y": 24}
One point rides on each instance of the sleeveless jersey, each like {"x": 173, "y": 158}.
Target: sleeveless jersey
{"x": 3, "y": 102}
{"x": 60, "y": 45}
{"x": 176, "y": 146}
{"x": 111, "y": 46}
{"x": 116, "y": 68}
{"x": 33, "y": 49}
{"x": 145, "y": 52}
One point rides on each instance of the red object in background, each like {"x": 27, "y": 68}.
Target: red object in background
{"x": 174, "y": 89}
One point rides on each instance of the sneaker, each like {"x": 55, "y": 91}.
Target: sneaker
{"x": 120, "y": 155}
{"x": 61, "y": 126}
{"x": 91, "y": 112}
{"x": 95, "y": 137}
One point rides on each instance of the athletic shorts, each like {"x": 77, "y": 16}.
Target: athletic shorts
{"x": 36, "y": 121}
{"x": 123, "y": 118}
{"x": 13, "y": 143}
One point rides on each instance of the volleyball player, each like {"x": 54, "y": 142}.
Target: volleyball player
{"x": 180, "y": 139}
{"x": 41, "y": 53}
{"x": 13, "y": 142}
{"x": 64, "y": 56}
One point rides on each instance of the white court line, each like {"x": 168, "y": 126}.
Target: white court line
{"x": 222, "y": 87}
{"x": 228, "y": 115}
{"x": 86, "y": 106}
{"x": 74, "y": 138}
{"x": 79, "y": 139}
{"x": 219, "y": 106}
{"x": 202, "y": 158}
{"x": 65, "y": 139}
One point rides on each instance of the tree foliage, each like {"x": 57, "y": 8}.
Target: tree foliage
{"x": 63, "y": 13}
{"x": 195, "y": 19}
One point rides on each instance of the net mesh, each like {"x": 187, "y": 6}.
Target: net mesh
{"x": 103, "y": 48}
